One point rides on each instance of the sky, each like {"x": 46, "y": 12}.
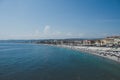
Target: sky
{"x": 48, "y": 19}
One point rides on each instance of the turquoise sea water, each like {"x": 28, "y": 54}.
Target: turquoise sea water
{"x": 40, "y": 62}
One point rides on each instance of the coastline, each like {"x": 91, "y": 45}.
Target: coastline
{"x": 104, "y": 52}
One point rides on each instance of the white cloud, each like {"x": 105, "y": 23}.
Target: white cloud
{"x": 47, "y": 33}
{"x": 46, "y": 30}
{"x": 37, "y": 32}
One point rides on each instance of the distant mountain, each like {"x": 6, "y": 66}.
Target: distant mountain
{"x": 83, "y": 38}
{"x": 30, "y": 41}
{"x": 13, "y": 41}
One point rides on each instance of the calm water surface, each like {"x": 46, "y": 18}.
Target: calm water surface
{"x": 40, "y": 62}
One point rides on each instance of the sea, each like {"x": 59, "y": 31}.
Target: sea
{"x": 20, "y": 61}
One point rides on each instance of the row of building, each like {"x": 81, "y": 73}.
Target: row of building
{"x": 113, "y": 41}
{"x": 108, "y": 41}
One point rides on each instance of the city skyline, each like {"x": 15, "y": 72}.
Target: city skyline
{"x": 48, "y": 19}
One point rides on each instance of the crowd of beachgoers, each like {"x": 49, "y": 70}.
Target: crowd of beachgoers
{"x": 106, "y": 52}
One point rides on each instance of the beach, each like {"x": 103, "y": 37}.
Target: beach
{"x": 106, "y": 52}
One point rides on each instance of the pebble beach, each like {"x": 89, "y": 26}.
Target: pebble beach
{"x": 109, "y": 53}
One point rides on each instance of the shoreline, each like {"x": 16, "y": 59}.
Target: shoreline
{"x": 104, "y": 52}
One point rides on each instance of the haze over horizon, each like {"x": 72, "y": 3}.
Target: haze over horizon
{"x": 48, "y": 19}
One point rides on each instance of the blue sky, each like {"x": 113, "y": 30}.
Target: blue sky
{"x": 39, "y": 19}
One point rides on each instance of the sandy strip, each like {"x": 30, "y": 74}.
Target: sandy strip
{"x": 99, "y": 51}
